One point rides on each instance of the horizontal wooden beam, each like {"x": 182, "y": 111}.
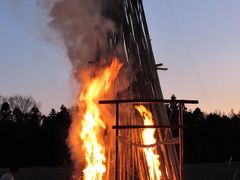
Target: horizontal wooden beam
{"x": 147, "y": 101}
{"x": 147, "y": 126}
{"x": 160, "y": 64}
{"x": 163, "y": 69}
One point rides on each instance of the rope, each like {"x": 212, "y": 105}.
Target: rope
{"x": 172, "y": 141}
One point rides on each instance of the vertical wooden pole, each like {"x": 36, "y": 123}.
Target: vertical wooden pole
{"x": 180, "y": 121}
{"x": 116, "y": 153}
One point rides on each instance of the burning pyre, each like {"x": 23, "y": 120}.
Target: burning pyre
{"x": 86, "y": 136}
{"x": 84, "y": 33}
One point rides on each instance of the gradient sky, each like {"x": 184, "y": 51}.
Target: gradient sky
{"x": 199, "y": 41}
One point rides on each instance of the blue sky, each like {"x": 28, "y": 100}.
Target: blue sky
{"x": 199, "y": 41}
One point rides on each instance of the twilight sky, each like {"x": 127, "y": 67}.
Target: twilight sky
{"x": 199, "y": 41}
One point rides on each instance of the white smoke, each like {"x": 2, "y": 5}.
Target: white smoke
{"x": 82, "y": 28}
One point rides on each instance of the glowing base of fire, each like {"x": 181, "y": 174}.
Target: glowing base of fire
{"x": 91, "y": 125}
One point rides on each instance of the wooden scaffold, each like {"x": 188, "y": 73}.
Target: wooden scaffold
{"x": 131, "y": 43}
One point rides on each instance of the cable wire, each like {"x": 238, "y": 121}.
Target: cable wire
{"x": 189, "y": 55}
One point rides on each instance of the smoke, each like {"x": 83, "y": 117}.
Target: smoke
{"x": 84, "y": 32}
{"x": 82, "y": 29}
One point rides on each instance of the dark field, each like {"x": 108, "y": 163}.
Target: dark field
{"x": 212, "y": 171}
{"x": 209, "y": 171}
{"x": 41, "y": 173}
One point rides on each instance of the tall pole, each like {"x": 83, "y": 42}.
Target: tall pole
{"x": 180, "y": 121}
{"x": 116, "y": 153}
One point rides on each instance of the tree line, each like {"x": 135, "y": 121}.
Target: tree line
{"x": 208, "y": 137}
{"x": 28, "y": 138}
{"x": 212, "y": 137}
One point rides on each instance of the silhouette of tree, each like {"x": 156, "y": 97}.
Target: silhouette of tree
{"x": 35, "y": 116}
{"x": 24, "y": 103}
{"x": 52, "y": 114}
{"x": 5, "y": 108}
{"x": 18, "y": 115}
{"x": 2, "y": 100}
{"x": 198, "y": 114}
{"x": 54, "y": 132}
{"x": 5, "y": 112}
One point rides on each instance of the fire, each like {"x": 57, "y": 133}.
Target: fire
{"x": 148, "y": 138}
{"x": 91, "y": 124}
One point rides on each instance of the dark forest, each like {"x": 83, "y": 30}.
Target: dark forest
{"x": 28, "y": 138}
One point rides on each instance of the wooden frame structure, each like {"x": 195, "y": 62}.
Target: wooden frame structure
{"x": 180, "y": 126}
{"x": 131, "y": 42}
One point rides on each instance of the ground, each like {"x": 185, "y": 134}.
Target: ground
{"x": 212, "y": 171}
{"x": 208, "y": 171}
{"x": 41, "y": 173}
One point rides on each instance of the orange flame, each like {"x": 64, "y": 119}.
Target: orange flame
{"x": 90, "y": 130}
{"x": 148, "y": 138}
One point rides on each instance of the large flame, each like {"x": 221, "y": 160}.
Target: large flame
{"x": 90, "y": 126}
{"x": 148, "y": 138}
